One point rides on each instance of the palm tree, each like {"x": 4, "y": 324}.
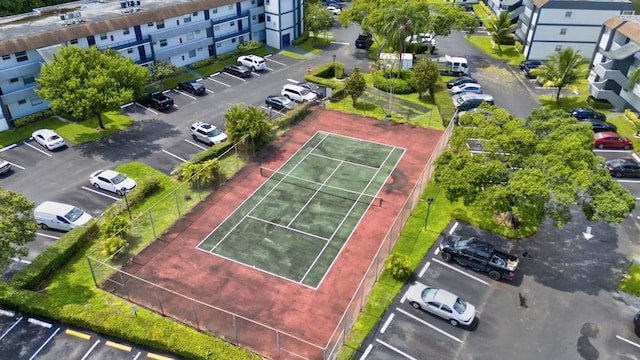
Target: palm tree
{"x": 401, "y": 22}
{"x": 634, "y": 78}
{"x": 502, "y": 29}
{"x": 562, "y": 69}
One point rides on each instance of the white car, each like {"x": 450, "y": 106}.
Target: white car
{"x": 334, "y": 10}
{"x": 112, "y": 181}
{"x": 48, "y": 138}
{"x": 253, "y": 62}
{"x": 424, "y": 38}
{"x": 469, "y": 87}
{"x": 207, "y": 133}
{"x": 442, "y": 303}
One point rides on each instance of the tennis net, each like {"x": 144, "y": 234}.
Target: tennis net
{"x": 319, "y": 187}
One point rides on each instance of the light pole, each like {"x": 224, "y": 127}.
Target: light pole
{"x": 426, "y": 220}
{"x": 127, "y": 202}
{"x": 334, "y": 60}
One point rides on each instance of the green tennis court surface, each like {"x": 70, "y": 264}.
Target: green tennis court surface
{"x": 296, "y": 223}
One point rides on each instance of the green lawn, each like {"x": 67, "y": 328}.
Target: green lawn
{"x": 509, "y": 54}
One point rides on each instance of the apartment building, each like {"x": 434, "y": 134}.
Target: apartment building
{"x": 180, "y": 32}
{"x": 548, "y": 26}
{"x": 618, "y": 54}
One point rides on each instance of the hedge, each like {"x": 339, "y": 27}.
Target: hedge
{"x": 324, "y": 75}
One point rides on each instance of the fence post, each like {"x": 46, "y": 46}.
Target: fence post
{"x": 153, "y": 228}
{"x": 92, "y": 274}
{"x": 124, "y": 285}
{"x": 155, "y": 290}
{"x": 195, "y": 314}
{"x": 175, "y": 195}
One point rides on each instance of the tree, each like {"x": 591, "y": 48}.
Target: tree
{"x": 425, "y": 74}
{"x": 250, "y": 121}
{"x": 445, "y": 18}
{"x": 318, "y": 19}
{"x": 17, "y": 227}
{"x": 355, "y": 85}
{"x": 161, "y": 70}
{"x": 89, "y": 82}
{"x": 562, "y": 69}
{"x": 634, "y": 78}
{"x": 502, "y": 29}
{"x": 530, "y": 169}
{"x": 401, "y": 22}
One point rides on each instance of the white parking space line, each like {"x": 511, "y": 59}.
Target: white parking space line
{"x": 137, "y": 355}
{"x": 99, "y": 193}
{"x": 7, "y": 313}
{"x": 255, "y": 73}
{"x": 366, "y": 352}
{"x": 460, "y": 271}
{"x": 43, "y": 345}
{"x": 293, "y": 81}
{"x": 195, "y": 144}
{"x": 628, "y": 341}
{"x": 233, "y": 76}
{"x": 22, "y": 261}
{"x": 90, "y": 350}
{"x": 210, "y": 91}
{"x": 628, "y": 181}
{"x": 635, "y": 156}
{"x": 429, "y": 325}
{"x": 8, "y": 147}
{"x": 174, "y": 155}
{"x": 11, "y": 327}
{"x": 340, "y": 43}
{"x": 268, "y": 68}
{"x": 396, "y": 350}
{"x": 387, "y": 323}
{"x": 453, "y": 228}
{"x": 185, "y": 94}
{"x": 16, "y": 165}
{"x": 48, "y": 236}
{"x": 39, "y": 323}
{"x": 424, "y": 269}
{"x": 37, "y": 149}
{"x": 210, "y": 77}
{"x": 147, "y": 109}
{"x": 277, "y": 62}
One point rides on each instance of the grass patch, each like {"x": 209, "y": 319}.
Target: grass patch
{"x": 73, "y": 132}
{"x": 567, "y": 102}
{"x": 292, "y": 55}
{"x": 509, "y": 53}
{"x": 631, "y": 282}
{"x": 216, "y": 67}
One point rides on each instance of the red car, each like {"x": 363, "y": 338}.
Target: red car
{"x": 610, "y": 139}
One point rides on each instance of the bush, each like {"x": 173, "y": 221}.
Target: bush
{"x": 599, "y": 104}
{"x": 30, "y": 119}
{"x": 518, "y": 46}
{"x": 293, "y": 116}
{"x": 386, "y": 80}
{"x": 634, "y": 119}
{"x": 248, "y": 46}
{"x": 114, "y": 226}
{"x": 338, "y": 70}
{"x": 112, "y": 244}
{"x": 302, "y": 38}
{"x": 399, "y": 265}
{"x": 203, "y": 63}
{"x": 146, "y": 187}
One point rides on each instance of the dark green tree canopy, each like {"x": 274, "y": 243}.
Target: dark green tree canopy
{"x": 89, "y": 82}
{"x": 425, "y": 74}
{"x": 252, "y": 121}
{"x": 17, "y": 226}
{"x": 562, "y": 69}
{"x": 355, "y": 85}
{"x": 531, "y": 168}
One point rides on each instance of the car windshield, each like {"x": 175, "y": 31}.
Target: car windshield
{"x": 74, "y": 214}
{"x": 428, "y": 293}
{"x": 118, "y": 179}
{"x": 460, "y": 306}
{"x": 462, "y": 243}
{"x": 54, "y": 137}
{"x": 214, "y": 132}
{"x": 305, "y": 91}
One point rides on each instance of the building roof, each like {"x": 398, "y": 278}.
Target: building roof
{"x": 585, "y": 4}
{"x": 83, "y": 19}
{"x": 627, "y": 25}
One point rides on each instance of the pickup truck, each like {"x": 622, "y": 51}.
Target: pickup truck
{"x": 156, "y": 100}
{"x": 452, "y": 65}
{"x": 479, "y": 255}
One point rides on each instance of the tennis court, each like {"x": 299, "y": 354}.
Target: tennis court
{"x": 295, "y": 225}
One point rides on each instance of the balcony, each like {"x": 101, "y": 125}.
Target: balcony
{"x": 598, "y": 91}
{"x": 606, "y": 71}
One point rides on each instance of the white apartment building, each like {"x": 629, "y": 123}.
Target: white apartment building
{"x": 180, "y": 32}
{"x": 618, "y": 54}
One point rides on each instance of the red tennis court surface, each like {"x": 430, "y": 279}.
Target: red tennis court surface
{"x": 292, "y": 314}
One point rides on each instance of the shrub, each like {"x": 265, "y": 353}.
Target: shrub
{"x": 302, "y": 38}
{"x": 112, "y": 244}
{"x": 386, "y": 80}
{"x": 146, "y": 187}
{"x": 293, "y": 116}
{"x": 399, "y": 265}
{"x": 634, "y": 119}
{"x": 518, "y": 46}
{"x": 114, "y": 226}
{"x": 249, "y": 46}
{"x": 203, "y": 63}
{"x": 30, "y": 119}
{"x": 599, "y": 104}
{"x": 338, "y": 70}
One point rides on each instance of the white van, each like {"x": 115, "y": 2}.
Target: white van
{"x": 54, "y": 215}
{"x": 298, "y": 93}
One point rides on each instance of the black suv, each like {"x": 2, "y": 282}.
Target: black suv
{"x": 586, "y": 113}
{"x": 599, "y": 125}
{"x": 192, "y": 86}
{"x": 364, "y": 40}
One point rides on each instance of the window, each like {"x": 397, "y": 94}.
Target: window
{"x": 268, "y": 17}
{"x": 253, "y": 18}
{"x": 233, "y": 40}
{"x": 163, "y": 42}
{"x": 150, "y": 24}
{"x": 218, "y": 45}
{"x": 214, "y": 11}
{"x": 216, "y": 28}
{"x": 103, "y": 36}
{"x": 199, "y": 49}
{"x": 260, "y": 18}
{"x": 558, "y": 48}
{"x": 13, "y": 80}
{"x": 187, "y": 19}
{"x": 192, "y": 53}
{"x": 22, "y": 102}
{"x": 22, "y": 56}
{"x": 160, "y": 24}
{"x": 6, "y": 57}
{"x": 125, "y": 31}
{"x": 29, "y": 80}
{"x": 568, "y": 14}
{"x": 73, "y": 42}
{"x": 129, "y": 51}
{"x": 195, "y": 13}
{"x": 190, "y": 36}
{"x": 268, "y": 2}
{"x": 35, "y": 100}
{"x": 563, "y": 31}
{"x": 197, "y": 31}
{"x": 253, "y": 2}
{"x": 233, "y": 23}
{"x": 628, "y": 12}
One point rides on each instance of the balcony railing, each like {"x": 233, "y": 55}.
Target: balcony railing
{"x": 597, "y": 90}
{"x": 606, "y": 71}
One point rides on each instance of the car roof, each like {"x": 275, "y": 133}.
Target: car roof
{"x": 618, "y": 162}
{"x": 109, "y": 173}
{"x": 604, "y": 134}
{"x": 202, "y": 124}
{"x": 45, "y": 132}
{"x": 443, "y": 297}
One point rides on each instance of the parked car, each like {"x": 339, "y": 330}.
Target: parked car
{"x": 112, "y": 181}
{"x": 207, "y": 133}
{"x": 280, "y": 102}
{"x": 253, "y": 62}
{"x": 479, "y": 255}
{"x": 623, "y": 168}
{"x": 422, "y": 38}
{"x": 468, "y": 101}
{"x": 441, "y": 303}
{"x": 298, "y": 93}
{"x": 5, "y": 166}
{"x": 460, "y": 80}
{"x": 636, "y": 323}
{"x": 586, "y": 113}
{"x": 600, "y": 126}
{"x": 60, "y": 216}
{"x": 530, "y": 64}
{"x": 193, "y": 87}
{"x": 318, "y": 90}
{"x": 156, "y": 100}
{"x": 609, "y": 139}
{"x": 466, "y": 88}
{"x": 364, "y": 41}
{"x": 48, "y": 138}
{"x": 334, "y": 10}
{"x": 238, "y": 70}
{"x": 332, "y": 3}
